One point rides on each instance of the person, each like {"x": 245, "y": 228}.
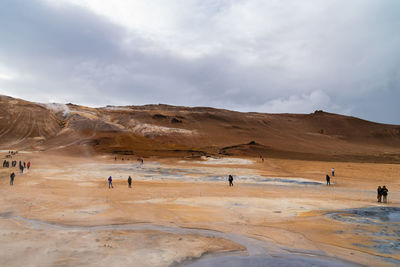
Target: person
{"x": 24, "y": 164}
{"x": 384, "y": 193}
{"x": 110, "y": 185}
{"x": 28, "y": 165}
{"x": 230, "y": 180}
{"x": 379, "y": 196}
{"x": 12, "y": 176}
{"x": 130, "y": 182}
{"x": 333, "y": 172}
{"x": 328, "y": 180}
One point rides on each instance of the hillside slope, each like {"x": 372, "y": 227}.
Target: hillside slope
{"x": 162, "y": 130}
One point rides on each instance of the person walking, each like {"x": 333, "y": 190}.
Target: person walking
{"x": 12, "y": 176}
{"x": 384, "y": 193}
{"x": 333, "y": 172}
{"x": 110, "y": 185}
{"x": 328, "y": 180}
{"x": 379, "y": 192}
{"x": 28, "y": 165}
{"x": 230, "y": 179}
{"x": 129, "y": 182}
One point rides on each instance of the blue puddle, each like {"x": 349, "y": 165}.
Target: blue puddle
{"x": 381, "y": 224}
{"x": 157, "y": 172}
{"x": 263, "y": 179}
{"x": 370, "y": 215}
{"x": 290, "y": 181}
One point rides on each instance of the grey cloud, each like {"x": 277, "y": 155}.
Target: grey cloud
{"x": 342, "y": 58}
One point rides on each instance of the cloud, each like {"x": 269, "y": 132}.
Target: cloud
{"x": 298, "y": 104}
{"x": 270, "y": 56}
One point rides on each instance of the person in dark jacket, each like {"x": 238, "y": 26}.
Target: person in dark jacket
{"x": 379, "y": 194}
{"x": 384, "y": 194}
{"x": 129, "y": 182}
{"x": 230, "y": 179}
{"x": 12, "y": 176}
{"x": 110, "y": 185}
{"x": 328, "y": 180}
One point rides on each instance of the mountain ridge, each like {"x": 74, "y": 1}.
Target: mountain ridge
{"x": 166, "y": 130}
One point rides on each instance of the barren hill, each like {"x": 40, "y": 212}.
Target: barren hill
{"x": 163, "y": 130}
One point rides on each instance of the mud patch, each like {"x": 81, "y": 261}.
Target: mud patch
{"x": 380, "y": 224}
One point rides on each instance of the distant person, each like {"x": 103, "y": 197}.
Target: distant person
{"x": 24, "y": 165}
{"x": 379, "y": 194}
{"x": 130, "y": 182}
{"x": 333, "y": 172}
{"x": 110, "y": 185}
{"x": 328, "y": 180}
{"x": 28, "y": 165}
{"x": 384, "y": 194}
{"x": 262, "y": 159}
{"x": 12, "y": 176}
{"x": 115, "y": 158}
{"x": 230, "y": 179}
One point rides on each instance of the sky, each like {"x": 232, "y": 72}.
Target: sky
{"x": 275, "y": 56}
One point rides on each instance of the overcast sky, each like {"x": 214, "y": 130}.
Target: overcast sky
{"x": 274, "y": 56}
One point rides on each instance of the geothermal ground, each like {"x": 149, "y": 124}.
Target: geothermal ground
{"x": 181, "y": 211}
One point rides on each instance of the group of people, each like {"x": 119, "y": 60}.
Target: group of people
{"x": 22, "y": 164}
{"x": 382, "y": 192}
{"x": 110, "y": 184}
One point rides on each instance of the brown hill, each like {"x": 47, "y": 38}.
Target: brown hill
{"x": 163, "y": 130}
